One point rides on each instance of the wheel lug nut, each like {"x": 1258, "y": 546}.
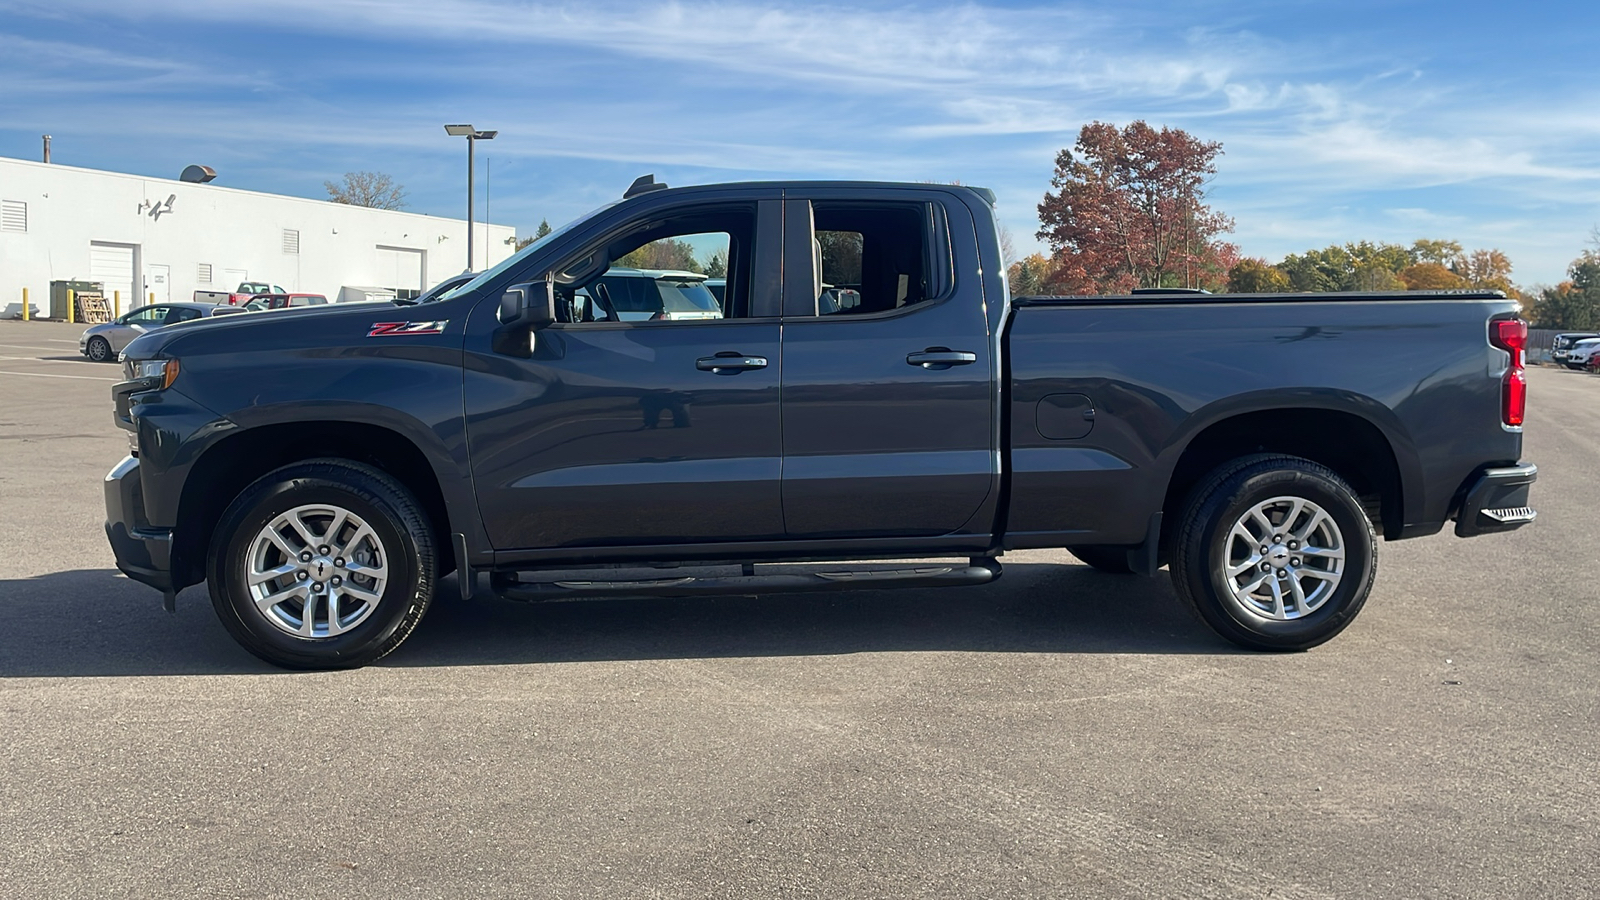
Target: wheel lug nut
{"x": 1277, "y": 539}
{"x": 339, "y": 563}
{"x": 305, "y": 556}
{"x": 323, "y": 550}
{"x": 1295, "y": 561}
{"x": 1294, "y": 545}
{"x": 317, "y": 587}
{"x": 1266, "y": 567}
{"x": 337, "y": 581}
{"x": 303, "y": 575}
{"x": 1283, "y": 573}
{"x": 1265, "y": 548}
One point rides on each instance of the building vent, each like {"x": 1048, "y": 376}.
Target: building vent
{"x": 13, "y": 215}
{"x": 291, "y": 240}
{"x": 204, "y": 275}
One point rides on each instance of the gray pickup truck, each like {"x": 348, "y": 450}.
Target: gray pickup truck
{"x": 324, "y": 468}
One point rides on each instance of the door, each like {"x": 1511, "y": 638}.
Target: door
{"x": 112, "y": 266}
{"x": 615, "y": 432}
{"x": 156, "y": 284}
{"x": 888, "y": 376}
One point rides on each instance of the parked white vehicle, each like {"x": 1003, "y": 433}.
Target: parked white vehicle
{"x": 357, "y": 294}
{"x": 1580, "y": 354}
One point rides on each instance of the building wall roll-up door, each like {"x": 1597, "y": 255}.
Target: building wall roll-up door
{"x": 400, "y": 270}
{"x": 112, "y": 266}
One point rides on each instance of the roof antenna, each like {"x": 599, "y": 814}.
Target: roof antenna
{"x": 644, "y": 184}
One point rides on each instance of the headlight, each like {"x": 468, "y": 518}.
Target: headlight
{"x": 160, "y": 373}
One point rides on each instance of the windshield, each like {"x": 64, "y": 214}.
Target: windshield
{"x": 686, "y": 296}
{"x": 516, "y": 258}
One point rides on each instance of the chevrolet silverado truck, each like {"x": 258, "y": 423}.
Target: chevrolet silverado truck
{"x": 323, "y": 469}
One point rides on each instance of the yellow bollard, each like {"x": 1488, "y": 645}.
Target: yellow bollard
{"x": 116, "y": 304}
{"x": 152, "y": 296}
{"x": 72, "y": 298}
{"x": 25, "y": 316}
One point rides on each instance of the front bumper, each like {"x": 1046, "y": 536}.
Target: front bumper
{"x": 1496, "y": 500}
{"x": 144, "y": 553}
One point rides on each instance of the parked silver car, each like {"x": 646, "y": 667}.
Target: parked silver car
{"x": 102, "y": 343}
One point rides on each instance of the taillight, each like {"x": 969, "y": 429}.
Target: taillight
{"x": 1511, "y": 335}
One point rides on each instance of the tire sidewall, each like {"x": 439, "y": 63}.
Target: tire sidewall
{"x": 264, "y": 502}
{"x": 1231, "y": 501}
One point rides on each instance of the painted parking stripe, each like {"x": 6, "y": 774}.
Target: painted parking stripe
{"x": 47, "y": 375}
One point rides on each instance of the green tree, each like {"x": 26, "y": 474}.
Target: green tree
{"x": 716, "y": 265}
{"x": 544, "y": 229}
{"x": 1441, "y": 253}
{"x": 1255, "y": 276}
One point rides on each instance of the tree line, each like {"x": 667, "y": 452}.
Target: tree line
{"x": 1127, "y": 209}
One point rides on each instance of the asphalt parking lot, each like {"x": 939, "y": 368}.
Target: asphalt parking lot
{"x": 1061, "y": 733}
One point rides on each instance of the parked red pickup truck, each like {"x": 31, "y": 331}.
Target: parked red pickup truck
{"x": 246, "y": 290}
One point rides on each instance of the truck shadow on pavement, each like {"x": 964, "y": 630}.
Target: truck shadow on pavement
{"x": 95, "y": 622}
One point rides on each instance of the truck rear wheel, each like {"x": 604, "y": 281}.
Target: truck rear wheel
{"x": 323, "y": 564}
{"x": 1274, "y": 553}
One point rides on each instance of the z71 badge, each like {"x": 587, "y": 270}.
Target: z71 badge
{"x": 389, "y": 329}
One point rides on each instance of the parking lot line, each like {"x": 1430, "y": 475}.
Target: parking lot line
{"x": 48, "y": 375}
{"x": 30, "y": 347}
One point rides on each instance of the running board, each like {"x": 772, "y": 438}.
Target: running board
{"x": 826, "y": 577}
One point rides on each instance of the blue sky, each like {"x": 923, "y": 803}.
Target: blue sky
{"x": 1340, "y": 121}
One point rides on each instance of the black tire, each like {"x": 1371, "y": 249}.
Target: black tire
{"x": 393, "y": 514}
{"x": 1197, "y": 563}
{"x": 99, "y": 350}
{"x": 1111, "y": 560}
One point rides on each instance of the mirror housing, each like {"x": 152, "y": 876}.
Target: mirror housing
{"x": 524, "y": 309}
{"x": 530, "y": 305}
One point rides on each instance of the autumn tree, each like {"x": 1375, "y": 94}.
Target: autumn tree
{"x": 1128, "y": 210}
{"x": 1430, "y": 276}
{"x": 1484, "y": 269}
{"x": 1256, "y": 276}
{"x": 371, "y": 189}
{"x": 665, "y": 253}
{"x": 1573, "y": 304}
{"x": 1029, "y": 275}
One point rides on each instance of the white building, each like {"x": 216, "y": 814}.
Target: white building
{"x": 144, "y": 236}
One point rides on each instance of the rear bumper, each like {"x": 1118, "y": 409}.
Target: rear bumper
{"x": 143, "y": 553}
{"x": 1496, "y": 500}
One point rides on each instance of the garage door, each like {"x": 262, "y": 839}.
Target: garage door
{"x": 112, "y": 266}
{"x": 400, "y": 270}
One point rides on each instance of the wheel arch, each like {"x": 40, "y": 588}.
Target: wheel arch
{"x": 237, "y": 459}
{"x": 1355, "y": 436}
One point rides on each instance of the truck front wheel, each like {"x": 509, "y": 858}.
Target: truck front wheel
{"x": 323, "y": 564}
{"x": 1274, "y": 553}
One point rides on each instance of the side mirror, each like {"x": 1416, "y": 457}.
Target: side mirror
{"x": 530, "y": 305}
{"x": 524, "y": 309}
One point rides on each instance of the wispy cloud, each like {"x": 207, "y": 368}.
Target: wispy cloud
{"x": 1316, "y": 111}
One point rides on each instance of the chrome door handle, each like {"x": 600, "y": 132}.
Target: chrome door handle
{"x": 730, "y": 363}
{"x": 941, "y": 358}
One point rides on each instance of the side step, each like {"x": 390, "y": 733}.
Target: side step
{"x": 819, "y": 577}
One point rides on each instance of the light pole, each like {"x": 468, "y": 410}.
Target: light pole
{"x": 472, "y": 135}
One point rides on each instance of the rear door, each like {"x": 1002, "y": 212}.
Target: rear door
{"x": 628, "y": 433}
{"x": 888, "y": 368}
